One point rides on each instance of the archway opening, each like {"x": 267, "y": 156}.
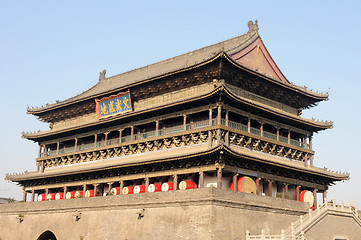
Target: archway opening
{"x": 47, "y": 235}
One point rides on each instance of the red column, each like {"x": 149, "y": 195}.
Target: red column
{"x": 285, "y": 189}
{"x": 235, "y": 177}
{"x": 269, "y": 188}
{"x": 219, "y": 178}
{"x": 257, "y": 186}
{"x": 201, "y": 180}
{"x": 298, "y": 193}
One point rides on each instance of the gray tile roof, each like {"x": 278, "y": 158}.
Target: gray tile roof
{"x": 161, "y": 68}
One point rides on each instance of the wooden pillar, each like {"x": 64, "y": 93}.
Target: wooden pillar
{"x": 285, "y": 189}
{"x": 219, "y": 115}
{"x": 110, "y": 186}
{"x": 257, "y": 186}
{"x": 227, "y": 117}
{"x": 95, "y": 189}
{"x": 305, "y": 141}
{"x": 305, "y": 160}
{"x": 184, "y": 122}
{"x": 210, "y": 117}
{"x": 234, "y": 181}
{"x": 40, "y": 147}
{"x": 95, "y": 140}
{"x": 132, "y": 133}
{"x": 42, "y": 166}
{"x": 157, "y": 128}
{"x": 106, "y": 138}
{"x": 298, "y": 193}
{"x": 46, "y": 193}
{"x": 32, "y": 195}
{"x": 76, "y": 144}
{"x": 175, "y": 182}
{"x": 310, "y": 142}
{"x": 315, "y": 199}
{"x": 324, "y": 197}
{"x": 311, "y": 161}
{"x": 146, "y": 183}
{"x": 249, "y": 125}
{"x": 219, "y": 178}
{"x": 289, "y": 136}
{"x": 278, "y": 134}
{"x": 121, "y": 185}
{"x": 25, "y": 194}
{"x": 120, "y": 135}
{"x": 57, "y": 147}
{"x": 84, "y": 189}
{"x": 201, "y": 180}
{"x": 261, "y": 129}
{"x": 65, "y": 191}
{"x": 269, "y": 188}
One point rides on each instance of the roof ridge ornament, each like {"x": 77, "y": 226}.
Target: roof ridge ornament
{"x": 102, "y": 75}
{"x": 252, "y": 27}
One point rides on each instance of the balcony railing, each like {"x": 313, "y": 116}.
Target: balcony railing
{"x": 175, "y": 129}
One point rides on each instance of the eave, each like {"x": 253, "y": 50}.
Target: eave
{"x": 308, "y": 124}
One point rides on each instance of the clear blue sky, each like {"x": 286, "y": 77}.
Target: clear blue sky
{"x": 55, "y": 49}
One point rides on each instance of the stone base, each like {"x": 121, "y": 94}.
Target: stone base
{"x": 206, "y": 213}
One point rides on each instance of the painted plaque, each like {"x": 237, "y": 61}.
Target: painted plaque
{"x": 113, "y": 105}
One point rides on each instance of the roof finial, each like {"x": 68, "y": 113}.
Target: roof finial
{"x": 102, "y": 75}
{"x": 252, "y": 27}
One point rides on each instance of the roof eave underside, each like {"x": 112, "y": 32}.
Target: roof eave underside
{"x": 332, "y": 176}
{"x": 317, "y": 126}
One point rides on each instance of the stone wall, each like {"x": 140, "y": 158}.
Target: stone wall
{"x": 207, "y": 213}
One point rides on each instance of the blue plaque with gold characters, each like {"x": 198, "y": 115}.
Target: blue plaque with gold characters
{"x": 113, "y": 105}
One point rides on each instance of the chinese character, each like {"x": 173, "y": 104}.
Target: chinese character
{"x": 118, "y": 105}
{"x": 111, "y": 107}
{"x": 125, "y": 101}
{"x": 103, "y": 109}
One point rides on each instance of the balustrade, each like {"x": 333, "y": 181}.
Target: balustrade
{"x": 175, "y": 129}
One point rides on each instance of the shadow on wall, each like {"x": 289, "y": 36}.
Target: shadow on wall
{"x": 47, "y": 235}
